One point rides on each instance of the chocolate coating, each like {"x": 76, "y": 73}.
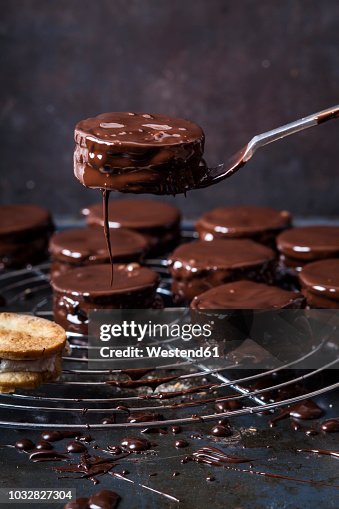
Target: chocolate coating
{"x": 198, "y": 266}
{"x": 309, "y": 243}
{"x": 24, "y": 234}
{"x": 224, "y": 307}
{"x": 87, "y": 246}
{"x": 261, "y": 224}
{"x": 158, "y": 222}
{"x": 138, "y": 153}
{"x": 320, "y": 282}
{"x": 86, "y": 288}
{"x": 247, "y": 295}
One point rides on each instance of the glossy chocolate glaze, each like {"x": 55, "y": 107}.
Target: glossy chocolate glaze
{"x": 158, "y": 222}
{"x": 317, "y": 301}
{"x": 309, "y": 243}
{"x": 198, "y": 266}
{"x": 220, "y": 430}
{"x": 176, "y": 430}
{"x": 44, "y": 445}
{"x": 141, "y": 215}
{"x": 87, "y": 246}
{"x": 42, "y": 455}
{"x": 23, "y": 219}
{"x": 272, "y": 476}
{"x": 225, "y": 405}
{"x": 305, "y": 410}
{"x": 261, "y": 224}
{"x": 138, "y": 153}
{"x": 88, "y": 466}
{"x": 135, "y": 444}
{"x": 52, "y": 436}
{"x": 320, "y": 283}
{"x": 24, "y": 234}
{"x": 331, "y": 425}
{"x": 216, "y": 457}
{"x": 78, "y": 503}
{"x": 24, "y": 444}
{"x": 76, "y": 447}
{"x": 105, "y": 499}
{"x": 247, "y": 295}
{"x": 86, "y": 288}
{"x": 181, "y": 443}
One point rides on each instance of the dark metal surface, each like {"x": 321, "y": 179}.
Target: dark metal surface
{"x": 231, "y": 489}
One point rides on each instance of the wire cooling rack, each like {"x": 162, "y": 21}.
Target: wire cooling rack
{"x": 82, "y": 398}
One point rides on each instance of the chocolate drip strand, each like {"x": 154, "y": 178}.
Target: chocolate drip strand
{"x": 105, "y": 198}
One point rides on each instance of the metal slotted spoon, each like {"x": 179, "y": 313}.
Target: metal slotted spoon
{"x": 240, "y": 158}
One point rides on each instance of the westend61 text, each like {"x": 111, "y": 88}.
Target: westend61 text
{"x": 134, "y": 352}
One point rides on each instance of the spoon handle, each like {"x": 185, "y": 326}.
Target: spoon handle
{"x": 286, "y": 130}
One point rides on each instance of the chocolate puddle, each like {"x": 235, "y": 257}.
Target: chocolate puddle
{"x": 306, "y": 409}
{"x": 89, "y": 467}
{"x": 215, "y": 457}
{"x": 40, "y": 455}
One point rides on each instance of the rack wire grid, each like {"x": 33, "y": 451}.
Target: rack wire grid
{"x": 82, "y": 398}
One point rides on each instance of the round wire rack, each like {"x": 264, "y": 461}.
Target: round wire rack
{"x": 82, "y": 398}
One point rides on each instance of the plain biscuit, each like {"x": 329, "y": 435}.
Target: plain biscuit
{"x": 25, "y": 337}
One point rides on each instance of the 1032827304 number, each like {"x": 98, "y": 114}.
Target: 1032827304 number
{"x": 36, "y": 495}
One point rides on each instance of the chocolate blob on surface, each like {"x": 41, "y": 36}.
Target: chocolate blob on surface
{"x": 135, "y": 444}
{"x": 198, "y": 266}
{"x": 138, "y": 153}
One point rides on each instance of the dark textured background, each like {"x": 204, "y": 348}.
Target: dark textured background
{"x": 236, "y": 67}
